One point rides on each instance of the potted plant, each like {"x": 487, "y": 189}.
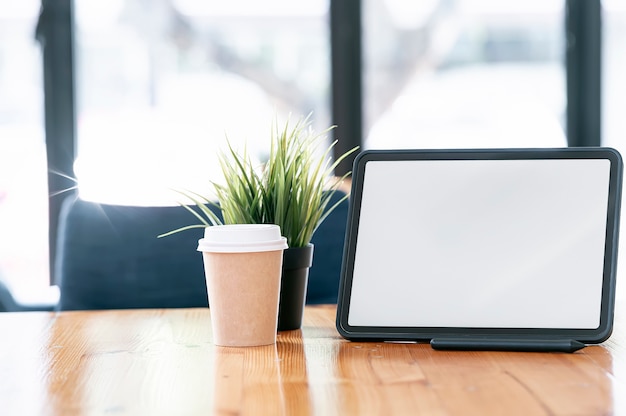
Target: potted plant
{"x": 291, "y": 189}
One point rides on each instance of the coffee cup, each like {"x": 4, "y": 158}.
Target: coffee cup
{"x": 242, "y": 264}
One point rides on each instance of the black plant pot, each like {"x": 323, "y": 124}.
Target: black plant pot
{"x": 296, "y": 264}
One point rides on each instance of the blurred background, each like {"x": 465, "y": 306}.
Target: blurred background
{"x": 160, "y": 84}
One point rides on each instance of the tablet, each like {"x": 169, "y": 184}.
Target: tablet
{"x": 482, "y": 249}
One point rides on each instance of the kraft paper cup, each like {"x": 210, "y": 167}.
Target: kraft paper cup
{"x": 242, "y": 265}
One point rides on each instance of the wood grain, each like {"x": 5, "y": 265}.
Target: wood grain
{"x": 163, "y": 362}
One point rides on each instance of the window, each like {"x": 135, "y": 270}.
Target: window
{"x": 614, "y": 68}
{"x": 161, "y": 84}
{"x": 466, "y": 73}
{"x": 23, "y": 186}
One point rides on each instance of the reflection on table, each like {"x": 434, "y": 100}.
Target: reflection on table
{"x": 162, "y": 361}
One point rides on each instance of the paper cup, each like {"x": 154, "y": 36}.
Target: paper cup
{"x": 242, "y": 265}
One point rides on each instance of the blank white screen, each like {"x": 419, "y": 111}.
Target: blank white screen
{"x": 481, "y": 243}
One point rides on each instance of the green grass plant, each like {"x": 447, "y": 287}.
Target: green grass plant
{"x": 293, "y": 189}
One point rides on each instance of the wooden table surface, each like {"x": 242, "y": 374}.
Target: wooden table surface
{"x": 162, "y": 362}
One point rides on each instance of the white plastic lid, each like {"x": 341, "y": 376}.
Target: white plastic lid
{"x": 242, "y": 238}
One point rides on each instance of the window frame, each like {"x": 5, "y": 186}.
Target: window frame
{"x": 55, "y": 33}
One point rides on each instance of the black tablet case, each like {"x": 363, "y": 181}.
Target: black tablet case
{"x": 482, "y": 249}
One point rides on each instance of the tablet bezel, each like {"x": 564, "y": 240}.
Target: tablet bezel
{"x": 398, "y": 333}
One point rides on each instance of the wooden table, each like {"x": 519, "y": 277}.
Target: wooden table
{"x": 162, "y": 362}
